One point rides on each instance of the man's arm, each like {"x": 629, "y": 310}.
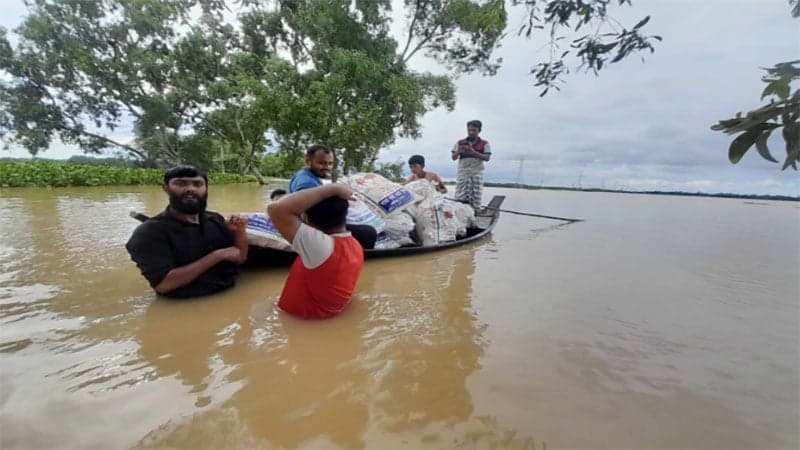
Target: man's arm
{"x": 487, "y": 152}
{"x": 181, "y": 276}
{"x": 439, "y": 184}
{"x": 456, "y": 151}
{"x": 286, "y": 212}
{"x": 237, "y": 254}
{"x": 150, "y": 251}
{"x": 479, "y": 155}
{"x": 238, "y": 226}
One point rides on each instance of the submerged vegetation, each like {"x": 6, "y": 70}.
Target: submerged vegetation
{"x": 62, "y": 174}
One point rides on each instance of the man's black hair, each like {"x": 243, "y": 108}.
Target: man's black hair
{"x": 328, "y": 214}
{"x": 316, "y": 148}
{"x": 276, "y": 193}
{"x": 417, "y": 159}
{"x": 475, "y": 124}
{"x": 184, "y": 172}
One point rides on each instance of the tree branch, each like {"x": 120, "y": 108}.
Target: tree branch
{"x": 418, "y": 47}
{"x": 422, "y": 43}
{"x": 245, "y": 141}
{"x": 133, "y": 150}
{"x": 410, "y": 34}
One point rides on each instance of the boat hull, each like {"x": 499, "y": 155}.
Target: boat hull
{"x": 486, "y": 220}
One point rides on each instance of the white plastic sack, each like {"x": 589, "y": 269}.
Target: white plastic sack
{"x": 465, "y": 216}
{"x": 435, "y": 221}
{"x": 358, "y": 213}
{"x": 389, "y": 197}
{"x": 399, "y": 227}
{"x": 262, "y": 233}
{"x": 384, "y": 242}
{"x": 423, "y": 189}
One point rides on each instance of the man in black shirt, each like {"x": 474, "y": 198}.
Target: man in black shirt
{"x": 187, "y": 251}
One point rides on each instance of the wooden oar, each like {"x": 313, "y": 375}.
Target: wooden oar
{"x": 138, "y": 216}
{"x": 565, "y": 219}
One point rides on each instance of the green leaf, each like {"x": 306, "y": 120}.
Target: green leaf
{"x": 742, "y": 144}
{"x": 782, "y": 89}
{"x": 769, "y": 90}
{"x": 761, "y": 146}
{"x": 641, "y": 23}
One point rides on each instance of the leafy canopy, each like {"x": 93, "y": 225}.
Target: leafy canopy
{"x": 201, "y": 88}
{"x": 782, "y": 111}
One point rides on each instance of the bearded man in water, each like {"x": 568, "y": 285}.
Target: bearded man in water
{"x": 186, "y": 251}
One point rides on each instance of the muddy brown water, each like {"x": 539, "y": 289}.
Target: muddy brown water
{"x": 660, "y": 322}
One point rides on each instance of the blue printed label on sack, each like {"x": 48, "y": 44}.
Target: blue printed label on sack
{"x": 261, "y": 223}
{"x": 396, "y": 199}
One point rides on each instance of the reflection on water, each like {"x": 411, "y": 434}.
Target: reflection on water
{"x": 658, "y": 323}
{"x": 396, "y": 360}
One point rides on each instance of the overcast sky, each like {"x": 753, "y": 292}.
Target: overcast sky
{"x": 638, "y": 125}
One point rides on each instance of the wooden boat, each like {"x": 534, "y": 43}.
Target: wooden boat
{"x": 485, "y": 219}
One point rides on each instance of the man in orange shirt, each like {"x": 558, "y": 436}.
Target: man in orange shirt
{"x": 322, "y": 279}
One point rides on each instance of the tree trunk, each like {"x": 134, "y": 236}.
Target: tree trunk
{"x": 254, "y": 169}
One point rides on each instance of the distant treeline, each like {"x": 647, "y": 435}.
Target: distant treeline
{"x": 27, "y": 173}
{"x": 85, "y": 160}
{"x": 91, "y": 171}
{"x": 687, "y": 194}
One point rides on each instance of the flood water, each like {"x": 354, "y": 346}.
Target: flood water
{"x": 660, "y": 322}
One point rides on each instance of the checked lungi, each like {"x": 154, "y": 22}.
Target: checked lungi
{"x": 469, "y": 181}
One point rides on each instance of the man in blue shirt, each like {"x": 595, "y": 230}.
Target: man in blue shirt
{"x": 319, "y": 163}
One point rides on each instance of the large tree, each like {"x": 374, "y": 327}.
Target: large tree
{"x": 81, "y": 69}
{"x": 306, "y": 71}
{"x": 289, "y": 72}
{"x": 351, "y": 88}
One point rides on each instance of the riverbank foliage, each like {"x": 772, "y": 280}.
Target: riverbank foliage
{"x": 54, "y": 174}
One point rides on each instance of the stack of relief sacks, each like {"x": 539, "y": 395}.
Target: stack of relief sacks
{"x": 411, "y": 214}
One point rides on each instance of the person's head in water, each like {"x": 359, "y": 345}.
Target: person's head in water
{"x": 417, "y": 165}
{"x": 319, "y": 160}
{"x": 277, "y": 194}
{"x": 187, "y": 188}
{"x": 473, "y": 129}
{"x": 329, "y": 215}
